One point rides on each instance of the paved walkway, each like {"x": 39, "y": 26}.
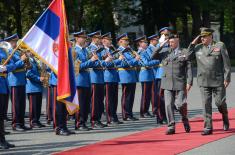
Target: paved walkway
{"x": 44, "y": 141}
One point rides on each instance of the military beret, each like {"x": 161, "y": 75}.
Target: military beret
{"x": 12, "y": 37}
{"x": 173, "y": 36}
{"x": 123, "y": 36}
{"x": 96, "y": 34}
{"x": 107, "y": 35}
{"x": 79, "y": 34}
{"x": 142, "y": 38}
{"x": 153, "y": 36}
{"x": 206, "y": 31}
{"x": 165, "y": 28}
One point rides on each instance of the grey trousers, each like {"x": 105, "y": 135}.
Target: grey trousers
{"x": 173, "y": 98}
{"x": 219, "y": 94}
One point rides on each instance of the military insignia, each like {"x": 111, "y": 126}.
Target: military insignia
{"x": 216, "y": 49}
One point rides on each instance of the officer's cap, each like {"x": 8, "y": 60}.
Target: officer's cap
{"x": 96, "y": 34}
{"x": 106, "y": 36}
{"x": 123, "y": 36}
{"x": 12, "y": 37}
{"x": 153, "y": 36}
{"x": 143, "y": 38}
{"x": 165, "y": 28}
{"x": 173, "y": 36}
{"x": 79, "y": 34}
{"x": 206, "y": 31}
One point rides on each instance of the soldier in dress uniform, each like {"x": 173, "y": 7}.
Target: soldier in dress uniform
{"x": 213, "y": 76}
{"x": 111, "y": 80}
{"x": 17, "y": 82}
{"x": 83, "y": 81}
{"x": 146, "y": 75}
{"x": 128, "y": 76}
{"x": 4, "y": 70}
{"x": 34, "y": 91}
{"x": 97, "y": 80}
{"x": 59, "y": 109}
{"x": 156, "y": 99}
{"x": 176, "y": 80}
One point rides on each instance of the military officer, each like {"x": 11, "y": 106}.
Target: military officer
{"x": 97, "y": 80}
{"x": 146, "y": 75}
{"x": 128, "y": 76}
{"x": 176, "y": 80}
{"x": 34, "y": 90}
{"x": 4, "y": 70}
{"x": 17, "y": 82}
{"x": 213, "y": 76}
{"x": 111, "y": 80}
{"x": 83, "y": 81}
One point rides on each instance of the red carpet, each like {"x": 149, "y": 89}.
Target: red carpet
{"x": 155, "y": 141}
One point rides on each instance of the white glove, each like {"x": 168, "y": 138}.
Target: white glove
{"x": 2, "y": 68}
{"x": 162, "y": 39}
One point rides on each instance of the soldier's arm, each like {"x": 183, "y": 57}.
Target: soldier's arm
{"x": 10, "y": 66}
{"x": 31, "y": 76}
{"x": 189, "y": 73}
{"x": 148, "y": 62}
{"x": 226, "y": 62}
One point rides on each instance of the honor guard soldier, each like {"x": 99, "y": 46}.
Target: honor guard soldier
{"x": 34, "y": 91}
{"x": 4, "y": 70}
{"x": 176, "y": 80}
{"x": 128, "y": 76}
{"x": 83, "y": 81}
{"x": 146, "y": 76}
{"x": 111, "y": 79}
{"x": 156, "y": 98}
{"x": 17, "y": 82}
{"x": 97, "y": 80}
{"x": 59, "y": 109}
{"x": 213, "y": 76}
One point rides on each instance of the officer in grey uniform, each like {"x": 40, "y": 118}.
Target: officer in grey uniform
{"x": 176, "y": 80}
{"x": 213, "y": 76}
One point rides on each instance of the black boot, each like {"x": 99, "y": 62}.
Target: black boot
{"x": 184, "y": 113}
{"x": 3, "y": 143}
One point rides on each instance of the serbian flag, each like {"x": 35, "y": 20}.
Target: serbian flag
{"x": 48, "y": 40}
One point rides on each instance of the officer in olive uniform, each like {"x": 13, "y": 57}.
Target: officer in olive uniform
{"x": 17, "y": 82}
{"x": 4, "y": 70}
{"x": 111, "y": 80}
{"x": 213, "y": 76}
{"x": 97, "y": 80}
{"x": 176, "y": 79}
{"x": 34, "y": 91}
{"x": 83, "y": 81}
{"x": 128, "y": 76}
{"x": 146, "y": 75}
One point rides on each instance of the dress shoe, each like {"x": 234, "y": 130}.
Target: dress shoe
{"x": 148, "y": 115}
{"x": 38, "y": 125}
{"x": 62, "y": 132}
{"x": 207, "y": 132}
{"x": 226, "y": 126}
{"x": 21, "y": 128}
{"x": 131, "y": 119}
{"x": 170, "y": 132}
{"x": 98, "y": 124}
{"x": 114, "y": 123}
{"x": 4, "y": 145}
{"x": 82, "y": 128}
{"x": 9, "y": 145}
{"x": 70, "y": 132}
{"x": 187, "y": 127}
{"x": 225, "y": 122}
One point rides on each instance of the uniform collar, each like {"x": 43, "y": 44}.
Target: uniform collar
{"x": 78, "y": 46}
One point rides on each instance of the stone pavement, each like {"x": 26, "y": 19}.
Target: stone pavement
{"x": 44, "y": 141}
